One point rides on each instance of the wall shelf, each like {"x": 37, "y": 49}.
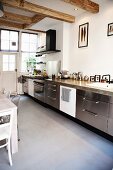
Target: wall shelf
{"x": 39, "y": 54}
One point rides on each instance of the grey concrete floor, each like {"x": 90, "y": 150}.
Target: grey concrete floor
{"x": 49, "y": 141}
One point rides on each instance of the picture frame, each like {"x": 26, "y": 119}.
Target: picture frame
{"x": 110, "y": 29}
{"x": 97, "y": 78}
{"x": 83, "y": 35}
{"x": 92, "y": 78}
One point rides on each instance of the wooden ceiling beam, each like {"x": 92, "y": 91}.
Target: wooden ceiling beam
{"x": 40, "y": 10}
{"x": 10, "y": 24}
{"x": 17, "y": 17}
{"x": 87, "y": 5}
{"x": 36, "y": 30}
{"x": 35, "y": 19}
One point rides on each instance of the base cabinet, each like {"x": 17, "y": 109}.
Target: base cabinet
{"x": 110, "y": 120}
{"x": 31, "y": 87}
{"x": 25, "y": 85}
{"x": 52, "y": 94}
{"x": 110, "y": 127}
{"x": 68, "y": 100}
{"x": 93, "y": 109}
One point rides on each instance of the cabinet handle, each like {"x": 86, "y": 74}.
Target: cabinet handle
{"x": 97, "y": 102}
{"x": 51, "y": 98}
{"x": 52, "y": 85}
{"x": 91, "y": 113}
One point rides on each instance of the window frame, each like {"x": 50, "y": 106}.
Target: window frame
{"x": 9, "y": 49}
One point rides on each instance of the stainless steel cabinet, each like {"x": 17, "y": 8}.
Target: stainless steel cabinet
{"x": 110, "y": 120}
{"x": 93, "y": 109}
{"x": 52, "y": 94}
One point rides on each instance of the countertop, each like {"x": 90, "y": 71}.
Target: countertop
{"x": 83, "y": 85}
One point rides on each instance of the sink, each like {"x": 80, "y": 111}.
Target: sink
{"x": 101, "y": 85}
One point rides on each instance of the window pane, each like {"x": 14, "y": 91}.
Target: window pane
{"x": 13, "y": 35}
{"x": 5, "y": 58}
{"x": 12, "y": 58}
{"x": 4, "y": 45}
{"x": 25, "y": 37}
{"x": 8, "y": 62}
{"x": 33, "y": 47}
{"x": 25, "y": 57}
{"x": 4, "y": 35}
{"x": 25, "y": 47}
{"x": 5, "y": 66}
{"x": 33, "y": 38}
{"x": 11, "y": 66}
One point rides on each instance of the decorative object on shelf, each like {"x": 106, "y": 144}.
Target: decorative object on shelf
{"x": 86, "y": 78}
{"x": 83, "y": 35}
{"x": 110, "y": 29}
{"x": 97, "y": 78}
{"x": 92, "y": 78}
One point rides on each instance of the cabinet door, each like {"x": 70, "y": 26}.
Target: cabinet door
{"x": 25, "y": 86}
{"x": 110, "y": 120}
{"x": 68, "y": 100}
{"x": 92, "y": 113}
{"x": 30, "y": 87}
{"x": 52, "y": 94}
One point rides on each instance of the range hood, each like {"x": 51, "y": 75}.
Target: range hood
{"x": 50, "y": 43}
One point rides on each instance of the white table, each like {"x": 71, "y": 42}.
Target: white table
{"x": 6, "y": 105}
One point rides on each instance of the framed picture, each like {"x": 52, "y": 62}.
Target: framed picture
{"x": 97, "y": 78}
{"x": 83, "y": 35}
{"x": 110, "y": 29}
{"x": 92, "y": 78}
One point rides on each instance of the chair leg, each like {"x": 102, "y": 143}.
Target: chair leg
{"x": 18, "y": 133}
{"x": 9, "y": 153}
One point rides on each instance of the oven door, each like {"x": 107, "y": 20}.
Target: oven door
{"x": 39, "y": 91}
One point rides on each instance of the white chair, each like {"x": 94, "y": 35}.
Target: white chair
{"x": 5, "y": 131}
{"x": 16, "y": 99}
{"x": 6, "y": 93}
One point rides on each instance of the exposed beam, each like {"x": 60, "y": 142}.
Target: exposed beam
{"x": 10, "y": 24}
{"x": 40, "y": 10}
{"x": 35, "y": 19}
{"x": 87, "y": 5}
{"x": 17, "y": 17}
{"x": 36, "y": 30}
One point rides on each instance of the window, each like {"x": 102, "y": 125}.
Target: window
{"x": 28, "y": 62}
{"x": 29, "y": 43}
{"x": 8, "y": 62}
{"x": 9, "y": 40}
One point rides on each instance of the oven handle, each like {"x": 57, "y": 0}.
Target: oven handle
{"x": 39, "y": 85}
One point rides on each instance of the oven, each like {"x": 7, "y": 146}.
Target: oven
{"x": 39, "y": 91}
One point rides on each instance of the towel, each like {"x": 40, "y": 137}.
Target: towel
{"x": 66, "y": 94}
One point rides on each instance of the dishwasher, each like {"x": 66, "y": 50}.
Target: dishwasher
{"x": 68, "y": 100}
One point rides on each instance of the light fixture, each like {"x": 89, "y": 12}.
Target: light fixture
{"x": 1, "y": 10}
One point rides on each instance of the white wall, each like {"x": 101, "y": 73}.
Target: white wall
{"x": 97, "y": 58}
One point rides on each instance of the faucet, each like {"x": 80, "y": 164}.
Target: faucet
{"x": 106, "y": 77}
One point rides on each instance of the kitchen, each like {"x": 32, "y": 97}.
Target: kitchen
{"x": 93, "y": 59}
